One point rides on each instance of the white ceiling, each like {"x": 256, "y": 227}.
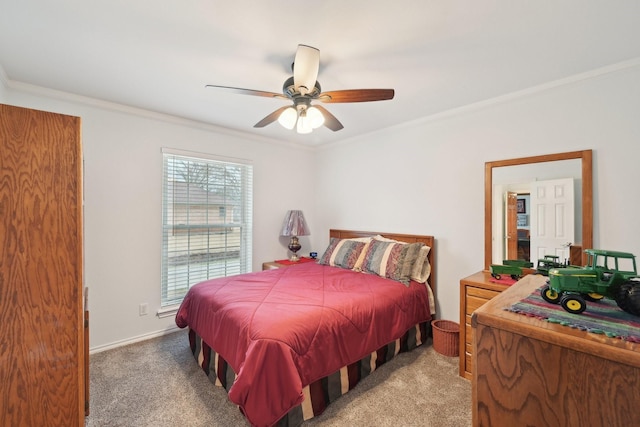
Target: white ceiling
{"x": 437, "y": 55}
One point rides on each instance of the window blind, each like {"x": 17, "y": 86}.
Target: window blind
{"x": 207, "y": 220}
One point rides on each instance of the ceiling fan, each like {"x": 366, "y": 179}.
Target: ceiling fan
{"x": 302, "y": 89}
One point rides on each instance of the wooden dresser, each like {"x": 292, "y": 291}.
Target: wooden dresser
{"x": 42, "y": 353}
{"x": 532, "y": 372}
{"x": 475, "y": 291}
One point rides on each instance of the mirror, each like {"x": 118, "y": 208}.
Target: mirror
{"x": 577, "y": 164}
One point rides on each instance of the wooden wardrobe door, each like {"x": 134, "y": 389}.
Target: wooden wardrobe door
{"x": 42, "y": 360}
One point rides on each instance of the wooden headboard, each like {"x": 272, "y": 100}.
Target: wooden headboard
{"x": 409, "y": 238}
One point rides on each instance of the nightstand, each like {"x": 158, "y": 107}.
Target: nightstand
{"x": 282, "y": 263}
{"x": 272, "y": 265}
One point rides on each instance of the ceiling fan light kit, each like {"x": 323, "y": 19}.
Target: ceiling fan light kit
{"x": 288, "y": 118}
{"x": 303, "y": 88}
{"x": 304, "y": 119}
{"x": 315, "y": 117}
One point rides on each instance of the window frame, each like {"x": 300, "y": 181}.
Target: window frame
{"x": 171, "y": 229}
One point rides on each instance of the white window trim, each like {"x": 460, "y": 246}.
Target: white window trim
{"x": 170, "y": 310}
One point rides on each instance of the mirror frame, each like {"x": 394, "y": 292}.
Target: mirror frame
{"x": 587, "y": 195}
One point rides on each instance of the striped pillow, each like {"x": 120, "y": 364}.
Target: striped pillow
{"x": 392, "y": 260}
{"x": 342, "y": 253}
{"x": 421, "y": 267}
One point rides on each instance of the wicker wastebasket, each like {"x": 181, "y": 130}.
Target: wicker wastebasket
{"x": 446, "y": 335}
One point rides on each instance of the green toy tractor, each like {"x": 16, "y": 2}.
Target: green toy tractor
{"x": 516, "y": 268}
{"x": 548, "y": 262}
{"x": 609, "y": 274}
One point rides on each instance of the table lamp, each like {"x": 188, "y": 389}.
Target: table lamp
{"x": 294, "y": 225}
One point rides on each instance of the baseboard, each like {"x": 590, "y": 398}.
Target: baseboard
{"x": 116, "y": 344}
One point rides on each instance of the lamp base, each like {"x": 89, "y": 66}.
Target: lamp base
{"x": 294, "y": 246}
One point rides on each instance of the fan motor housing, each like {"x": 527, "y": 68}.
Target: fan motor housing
{"x": 289, "y": 89}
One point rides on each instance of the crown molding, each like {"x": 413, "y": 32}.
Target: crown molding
{"x": 140, "y": 112}
{"x": 465, "y": 109}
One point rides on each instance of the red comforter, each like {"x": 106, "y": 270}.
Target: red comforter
{"x": 282, "y": 329}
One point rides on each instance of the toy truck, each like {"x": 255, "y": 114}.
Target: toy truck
{"x": 608, "y": 274}
{"x": 514, "y": 268}
{"x": 548, "y": 262}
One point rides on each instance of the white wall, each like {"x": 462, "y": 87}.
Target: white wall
{"x": 122, "y": 188}
{"x": 424, "y": 177}
{"x": 428, "y": 177}
{"x": 3, "y": 84}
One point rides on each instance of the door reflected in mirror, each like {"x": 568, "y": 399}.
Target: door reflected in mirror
{"x": 546, "y": 197}
{"x": 535, "y": 210}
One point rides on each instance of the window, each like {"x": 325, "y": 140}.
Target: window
{"x": 207, "y": 208}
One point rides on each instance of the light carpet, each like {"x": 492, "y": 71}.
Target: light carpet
{"x": 158, "y": 383}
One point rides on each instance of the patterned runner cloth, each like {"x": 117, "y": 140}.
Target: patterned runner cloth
{"x": 602, "y": 317}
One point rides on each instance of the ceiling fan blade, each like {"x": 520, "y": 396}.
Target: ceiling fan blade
{"x": 330, "y": 120}
{"x": 242, "y": 91}
{"x": 270, "y": 118}
{"x": 356, "y": 95}
{"x": 305, "y": 68}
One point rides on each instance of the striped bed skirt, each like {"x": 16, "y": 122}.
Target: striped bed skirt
{"x": 319, "y": 394}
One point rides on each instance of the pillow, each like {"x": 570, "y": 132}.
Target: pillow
{"x": 421, "y": 267}
{"x": 390, "y": 259}
{"x": 360, "y": 260}
{"x": 342, "y": 253}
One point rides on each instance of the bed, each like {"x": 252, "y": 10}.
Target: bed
{"x": 285, "y": 343}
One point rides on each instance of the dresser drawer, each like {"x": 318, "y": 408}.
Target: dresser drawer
{"x": 474, "y": 303}
{"x": 468, "y": 330}
{"x": 475, "y": 291}
{"x": 468, "y": 359}
{"x": 487, "y": 294}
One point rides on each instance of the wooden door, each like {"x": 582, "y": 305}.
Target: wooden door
{"x": 552, "y": 218}
{"x": 512, "y": 226}
{"x": 42, "y": 361}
